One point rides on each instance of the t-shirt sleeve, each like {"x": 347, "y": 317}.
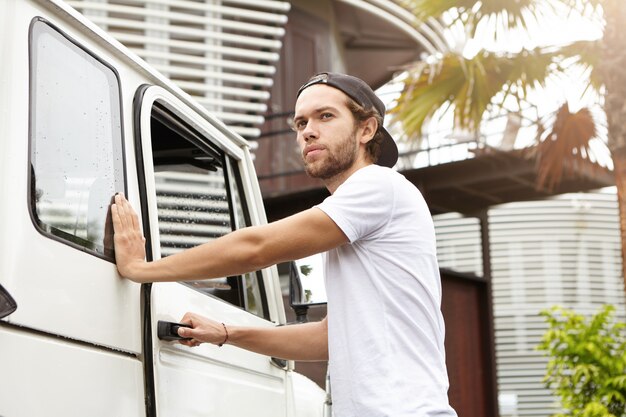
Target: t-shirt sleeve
{"x": 361, "y": 206}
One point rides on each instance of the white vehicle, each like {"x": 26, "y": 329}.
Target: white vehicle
{"x": 81, "y": 118}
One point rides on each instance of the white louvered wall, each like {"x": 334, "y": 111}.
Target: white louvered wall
{"x": 221, "y": 52}
{"x": 561, "y": 251}
{"x": 459, "y": 243}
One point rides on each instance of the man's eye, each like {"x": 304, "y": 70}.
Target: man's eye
{"x": 300, "y": 124}
{"x": 326, "y": 115}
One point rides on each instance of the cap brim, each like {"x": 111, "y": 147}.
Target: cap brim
{"x": 388, "y": 151}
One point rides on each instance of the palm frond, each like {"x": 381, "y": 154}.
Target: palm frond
{"x": 424, "y": 9}
{"x": 527, "y": 70}
{"x": 507, "y": 14}
{"x": 513, "y": 14}
{"x": 585, "y": 7}
{"x": 565, "y": 148}
{"x": 469, "y": 85}
{"x": 588, "y": 54}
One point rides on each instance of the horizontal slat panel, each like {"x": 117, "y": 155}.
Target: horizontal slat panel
{"x": 222, "y": 53}
{"x": 232, "y": 104}
{"x": 180, "y": 32}
{"x": 197, "y": 47}
{"x": 146, "y": 12}
{"x": 232, "y": 91}
{"x": 279, "y": 19}
{"x": 459, "y": 243}
{"x": 239, "y": 118}
{"x": 279, "y": 6}
{"x": 250, "y": 132}
{"x": 564, "y": 250}
{"x": 177, "y": 72}
{"x": 236, "y": 66}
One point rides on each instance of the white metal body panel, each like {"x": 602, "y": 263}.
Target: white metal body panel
{"x": 309, "y": 401}
{"x": 69, "y": 380}
{"x": 231, "y": 381}
{"x": 58, "y": 288}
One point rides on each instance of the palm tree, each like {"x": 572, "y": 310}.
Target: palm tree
{"x": 471, "y": 86}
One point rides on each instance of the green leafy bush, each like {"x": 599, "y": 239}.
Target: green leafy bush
{"x": 587, "y": 366}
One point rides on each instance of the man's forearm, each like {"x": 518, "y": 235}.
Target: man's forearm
{"x": 245, "y": 250}
{"x": 302, "y": 342}
{"x": 305, "y": 342}
{"x": 232, "y": 254}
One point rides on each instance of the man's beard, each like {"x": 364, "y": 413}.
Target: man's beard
{"x": 335, "y": 163}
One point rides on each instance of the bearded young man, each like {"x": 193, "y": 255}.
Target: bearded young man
{"x": 383, "y": 336}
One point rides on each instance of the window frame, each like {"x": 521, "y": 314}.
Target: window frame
{"x": 59, "y": 237}
{"x": 203, "y": 135}
{"x": 236, "y": 184}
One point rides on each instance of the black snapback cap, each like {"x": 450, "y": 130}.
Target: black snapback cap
{"x": 359, "y": 91}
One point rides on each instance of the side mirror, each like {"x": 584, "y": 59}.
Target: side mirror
{"x": 306, "y": 285}
{"x": 7, "y": 303}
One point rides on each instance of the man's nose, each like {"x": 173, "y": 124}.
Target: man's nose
{"x": 310, "y": 131}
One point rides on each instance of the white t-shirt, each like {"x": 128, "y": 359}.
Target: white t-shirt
{"x": 385, "y": 325}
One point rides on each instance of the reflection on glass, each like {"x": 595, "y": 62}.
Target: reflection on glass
{"x": 311, "y": 272}
{"x": 76, "y": 141}
{"x": 192, "y": 205}
{"x": 193, "y": 208}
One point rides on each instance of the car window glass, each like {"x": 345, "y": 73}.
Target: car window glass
{"x": 75, "y": 141}
{"x": 199, "y": 200}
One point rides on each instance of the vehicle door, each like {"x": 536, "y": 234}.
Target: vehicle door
{"x": 197, "y": 187}
{"x": 72, "y": 346}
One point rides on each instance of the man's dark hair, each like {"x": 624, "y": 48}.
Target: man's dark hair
{"x": 361, "y": 115}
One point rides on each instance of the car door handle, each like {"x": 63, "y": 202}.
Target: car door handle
{"x": 167, "y": 330}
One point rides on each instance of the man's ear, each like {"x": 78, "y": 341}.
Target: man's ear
{"x": 368, "y": 130}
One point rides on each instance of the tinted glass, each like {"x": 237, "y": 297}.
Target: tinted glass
{"x": 199, "y": 200}
{"x": 76, "y": 141}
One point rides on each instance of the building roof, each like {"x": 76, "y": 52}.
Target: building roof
{"x": 492, "y": 178}
{"x": 467, "y": 186}
{"x": 379, "y": 37}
